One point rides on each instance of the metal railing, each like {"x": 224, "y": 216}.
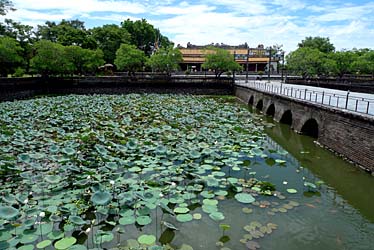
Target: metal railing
{"x": 346, "y": 102}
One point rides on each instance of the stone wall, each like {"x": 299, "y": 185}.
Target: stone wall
{"x": 21, "y": 88}
{"x": 348, "y": 134}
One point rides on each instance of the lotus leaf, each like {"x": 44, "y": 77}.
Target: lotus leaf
{"x": 244, "y": 198}
{"x": 65, "y": 243}
{"x": 143, "y": 220}
{"x": 101, "y": 198}
{"x": 8, "y": 212}
{"x": 184, "y": 217}
{"x": 43, "y": 244}
{"x": 146, "y": 239}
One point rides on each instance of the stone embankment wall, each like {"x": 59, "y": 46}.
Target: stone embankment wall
{"x": 21, "y": 88}
{"x": 348, "y": 134}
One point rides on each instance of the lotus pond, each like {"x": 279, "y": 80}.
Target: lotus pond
{"x": 166, "y": 172}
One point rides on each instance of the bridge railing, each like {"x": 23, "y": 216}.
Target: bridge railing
{"x": 347, "y": 101}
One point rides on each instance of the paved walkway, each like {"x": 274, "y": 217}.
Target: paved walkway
{"x": 351, "y": 101}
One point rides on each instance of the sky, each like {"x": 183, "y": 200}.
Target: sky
{"x": 349, "y": 23}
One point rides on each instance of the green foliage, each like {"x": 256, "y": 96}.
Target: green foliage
{"x": 67, "y": 33}
{"x": 109, "y": 38}
{"x": 50, "y": 58}
{"x": 309, "y": 62}
{"x": 220, "y": 61}
{"x": 320, "y": 43}
{"x": 129, "y": 58}
{"x": 144, "y": 36}
{"x": 10, "y": 55}
{"x": 83, "y": 60}
{"x": 344, "y": 62}
{"x": 165, "y": 60}
{"x": 5, "y": 6}
{"x": 365, "y": 63}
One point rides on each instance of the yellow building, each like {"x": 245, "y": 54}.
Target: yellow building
{"x": 258, "y": 58}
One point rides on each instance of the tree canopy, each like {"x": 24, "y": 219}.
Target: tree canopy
{"x": 165, "y": 60}
{"x": 129, "y": 58}
{"x": 220, "y": 61}
{"x": 5, "y": 6}
{"x": 320, "y": 43}
{"x": 10, "y": 55}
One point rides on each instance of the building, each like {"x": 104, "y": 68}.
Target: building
{"x": 258, "y": 58}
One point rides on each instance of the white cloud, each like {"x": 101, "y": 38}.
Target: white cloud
{"x": 284, "y": 22}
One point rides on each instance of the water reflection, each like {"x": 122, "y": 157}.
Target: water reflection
{"x": 352, "y": 184}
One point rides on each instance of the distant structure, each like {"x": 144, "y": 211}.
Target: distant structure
{"x": 258, "y": 58}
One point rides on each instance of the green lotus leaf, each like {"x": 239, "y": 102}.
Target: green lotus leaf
{"x": 43, "y": 244}
{"x": 143, "y": 220}
{"x": 102, "y": 237}
{"x": 29, "y": 238}
{"x": 77, "y": 220}
{"x": 128, "y": 220}
{"x": 244, "y": 198}
{"x": 69, "y": 151}
{"x": 292, "y": 191}
{"x": 217, "y": 216}
{"x": 53, "y": 179}
{"x": 184, "y": 217}
{"x": 181, "y": 210}
{"x": 65, "y": 243}
{"x": 78, "y": 247}
{"x": 146, "y": 239}
{"x": 8, "y": 212}
{"x": 26, "y": 247}
{"x": 101, "y": 198}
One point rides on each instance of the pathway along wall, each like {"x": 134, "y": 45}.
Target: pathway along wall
{"x": 350, "y": 135}
{"x": 21, "y": 88}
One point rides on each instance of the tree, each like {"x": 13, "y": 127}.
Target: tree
{"x": 129, "y": 58}
{"x": 320, "y": 43}
{"x": 365, "y": 63}
{"x": 24, "y": 35}
{"x": 10, "y": 55}
{"x": 67, "y": 33}
{"x": 220, "y": 61}
{"x": 109, "y": 38}
{"x": 81, "y": 60}
{"x": 344, "y": 62}
{"x": 5, "y": 6}
{"x": 309, "y": 62}
{"x": 144, "y": 36}
{"x": 50, "y": 59}
{"x": 165, "y": 60}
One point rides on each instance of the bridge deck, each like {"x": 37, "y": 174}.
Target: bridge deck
{"x": 361, "y": 103}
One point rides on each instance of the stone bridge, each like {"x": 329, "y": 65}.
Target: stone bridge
{"x": 349, "y": 134}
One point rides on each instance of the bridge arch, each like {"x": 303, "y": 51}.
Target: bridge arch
{"x": 260, "y": 105}
{"x": 310, "y": 128}
{"x": 251, "y": 100}
{"x": 287, "y": 117}
{"x": 271, "y": 110}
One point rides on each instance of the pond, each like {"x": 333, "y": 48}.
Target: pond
{"x": 171, "y": 172}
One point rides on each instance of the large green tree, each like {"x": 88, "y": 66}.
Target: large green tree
{"x": 81, "y": 61}
{"x": 365, "y": 63}
{"x": 310, "y": 62}
{"x": 50, "y": 59}
{"x": 109, "y": 38}
{"x": 165, "y": 60}
{"x": 67, "y": 32}
{"x": 344, "y": 61}
{"x": 320, "y": 43}
{"x": 144, "y": 36}
{"x": 5, "y": 6}
{"x": 10, "y": 55}
{"x": 129, "y": 58}
{"x": 24, "y": 35}
{"x": 220, "y": 61}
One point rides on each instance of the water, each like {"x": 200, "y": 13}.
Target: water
{"x": 337, "y": 214}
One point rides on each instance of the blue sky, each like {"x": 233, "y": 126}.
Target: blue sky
{"x": 348, "y": 23}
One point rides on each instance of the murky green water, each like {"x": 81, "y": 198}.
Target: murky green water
{"x": 184, "y": 152}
